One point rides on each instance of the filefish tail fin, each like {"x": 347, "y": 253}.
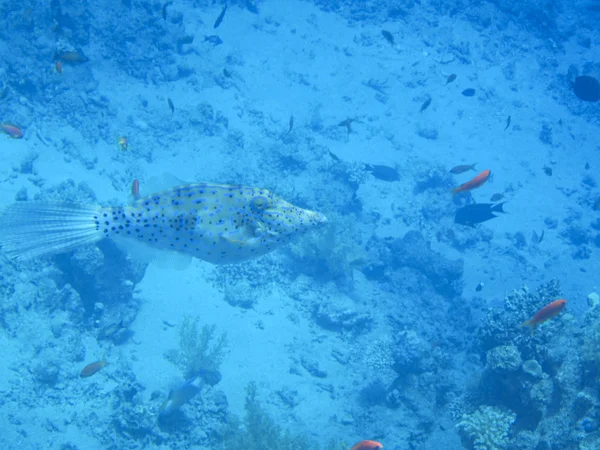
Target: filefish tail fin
{"x": 529, "y": 324}
{"x": 31, "y": 229}
{"x": 498, "y": 208}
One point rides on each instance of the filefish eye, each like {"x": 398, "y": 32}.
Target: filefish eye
{"x": 259, "y": 204}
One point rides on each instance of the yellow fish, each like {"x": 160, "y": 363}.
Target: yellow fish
{"x": 217, "y": 223}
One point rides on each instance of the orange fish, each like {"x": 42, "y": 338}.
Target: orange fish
{"x": 13, "y": 131}
{"x": 135, "y": 189}
{"x": 93, "y": 368}
{"x": 366, "y": 445}
{"x": 546, "y": 313}
{"x": 476, "y": 182}
{"x": 58, "y": 67}
{"x": 123, "y": 143}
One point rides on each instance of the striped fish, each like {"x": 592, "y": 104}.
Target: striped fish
{"x": 217, "y": 223}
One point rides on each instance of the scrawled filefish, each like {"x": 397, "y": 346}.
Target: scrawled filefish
{"x": 217, "y": 223}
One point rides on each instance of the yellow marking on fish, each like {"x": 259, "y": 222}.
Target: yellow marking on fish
{"x": 217, "y": 223}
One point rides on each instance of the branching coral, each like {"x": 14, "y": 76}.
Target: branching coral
{"x": 487, "y": 428}
{"x": 199, "y": 350}
{"x": 260, "y": 432}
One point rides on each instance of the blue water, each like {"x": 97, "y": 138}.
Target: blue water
{"x": 392, "y": 323}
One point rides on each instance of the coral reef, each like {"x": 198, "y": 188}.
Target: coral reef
{"x": 487, "y": 428}
{"x": 200, "y": 351}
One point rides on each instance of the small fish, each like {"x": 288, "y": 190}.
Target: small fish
{"x": 507, "y": 123}
{"x": 596, "y": 206}
{"x": 71, "y": 57}
{"x": 535, "y": 238}
{"x": 11, "y": 130}
{"x": 180, "y": 396}
{"x": 220, "y": 18}
{"x": 388, "y": 37}
{"x": 334, "y": 156}
{"x": 109, "y": 331}
{"x": 548, "y": 312}
{"x": 479, "y": 287}
{"x": 214, "y": 40}
{"x": 367, "y": 445}
{"x": 587, "y": 166}
{"x": 164, "y": 10}
{"x": 475, "y": 213}
{"x": 135, "y": 189}
{"x": 463, "y": 168}
{"x": 227, "y": 73}
{"x": 474, "y": 183}
{"x": 496, "y": 197}
{"x": 291, "y": 125}
{"x": 348, "y": 124}
{"x": 450, "y": 79}
{"x": 547, "y": 170}
{"x": 425, "y": 104}
{"x": 58, "y": 67}
{"x": 171, "y": 106}
{"x": 385, "y": 173}
{"x": 92, "y": 368}
{"x": 218, "y": 223}
{"x": 470, "y": 92}
{"x": 123, "y": 143}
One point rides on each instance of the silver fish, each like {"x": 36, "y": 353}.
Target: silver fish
{"x": 217, "y": 223}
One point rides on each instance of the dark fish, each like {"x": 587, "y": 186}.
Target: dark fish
{"x": 71, "y": 57}
{"x": 334, "y": 156}
{"x": 388, "y": 37}
{"x": 180, "y": 396}
{"x": 348, "y": 124}
{"x": 477, "y": 213}
{"x": 251, "y": 6}
{"x": 586, "y": 88}
{"x": 547, "y": 170}
{"x": 463, "y": 168}
{"x": 425, "y": 104}
{"x": 451, "y": 78}
{"x": 507, "y": 123}
{"x": 385, "y": 173}
{"x": 587, "y": 166}
{"x": 496, "y": 197}
{"x": 109, "y": 331}
{"x": 479, "y": 287}
{"x": 470, "y": 92}
{"x": 535, "y": 238}
{"x": 164, "y": 10}
{"x": 227, "y": 73}
{"x": 186, "y": 40}
{"x": 220, "y": 18}
{"x": 291, "y": 125}
{"x": 171, "y": 106}
{"x": 214, "y": 40}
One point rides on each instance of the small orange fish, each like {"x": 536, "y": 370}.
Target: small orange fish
{"x": 135, "y": 189}
{"x": 476, "y": 182}
{"x": 546, "y": 313}
{"x": 366, "y": 445}
{"x": 11, "y": 130}
{"x": 92, "y": 368}
{"x": 463, "y": 168}
{"x": 123, "y": 143}
{"x": 58, "y": 67}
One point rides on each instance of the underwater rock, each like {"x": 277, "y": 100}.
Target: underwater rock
{"x": 415, "y": 252}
